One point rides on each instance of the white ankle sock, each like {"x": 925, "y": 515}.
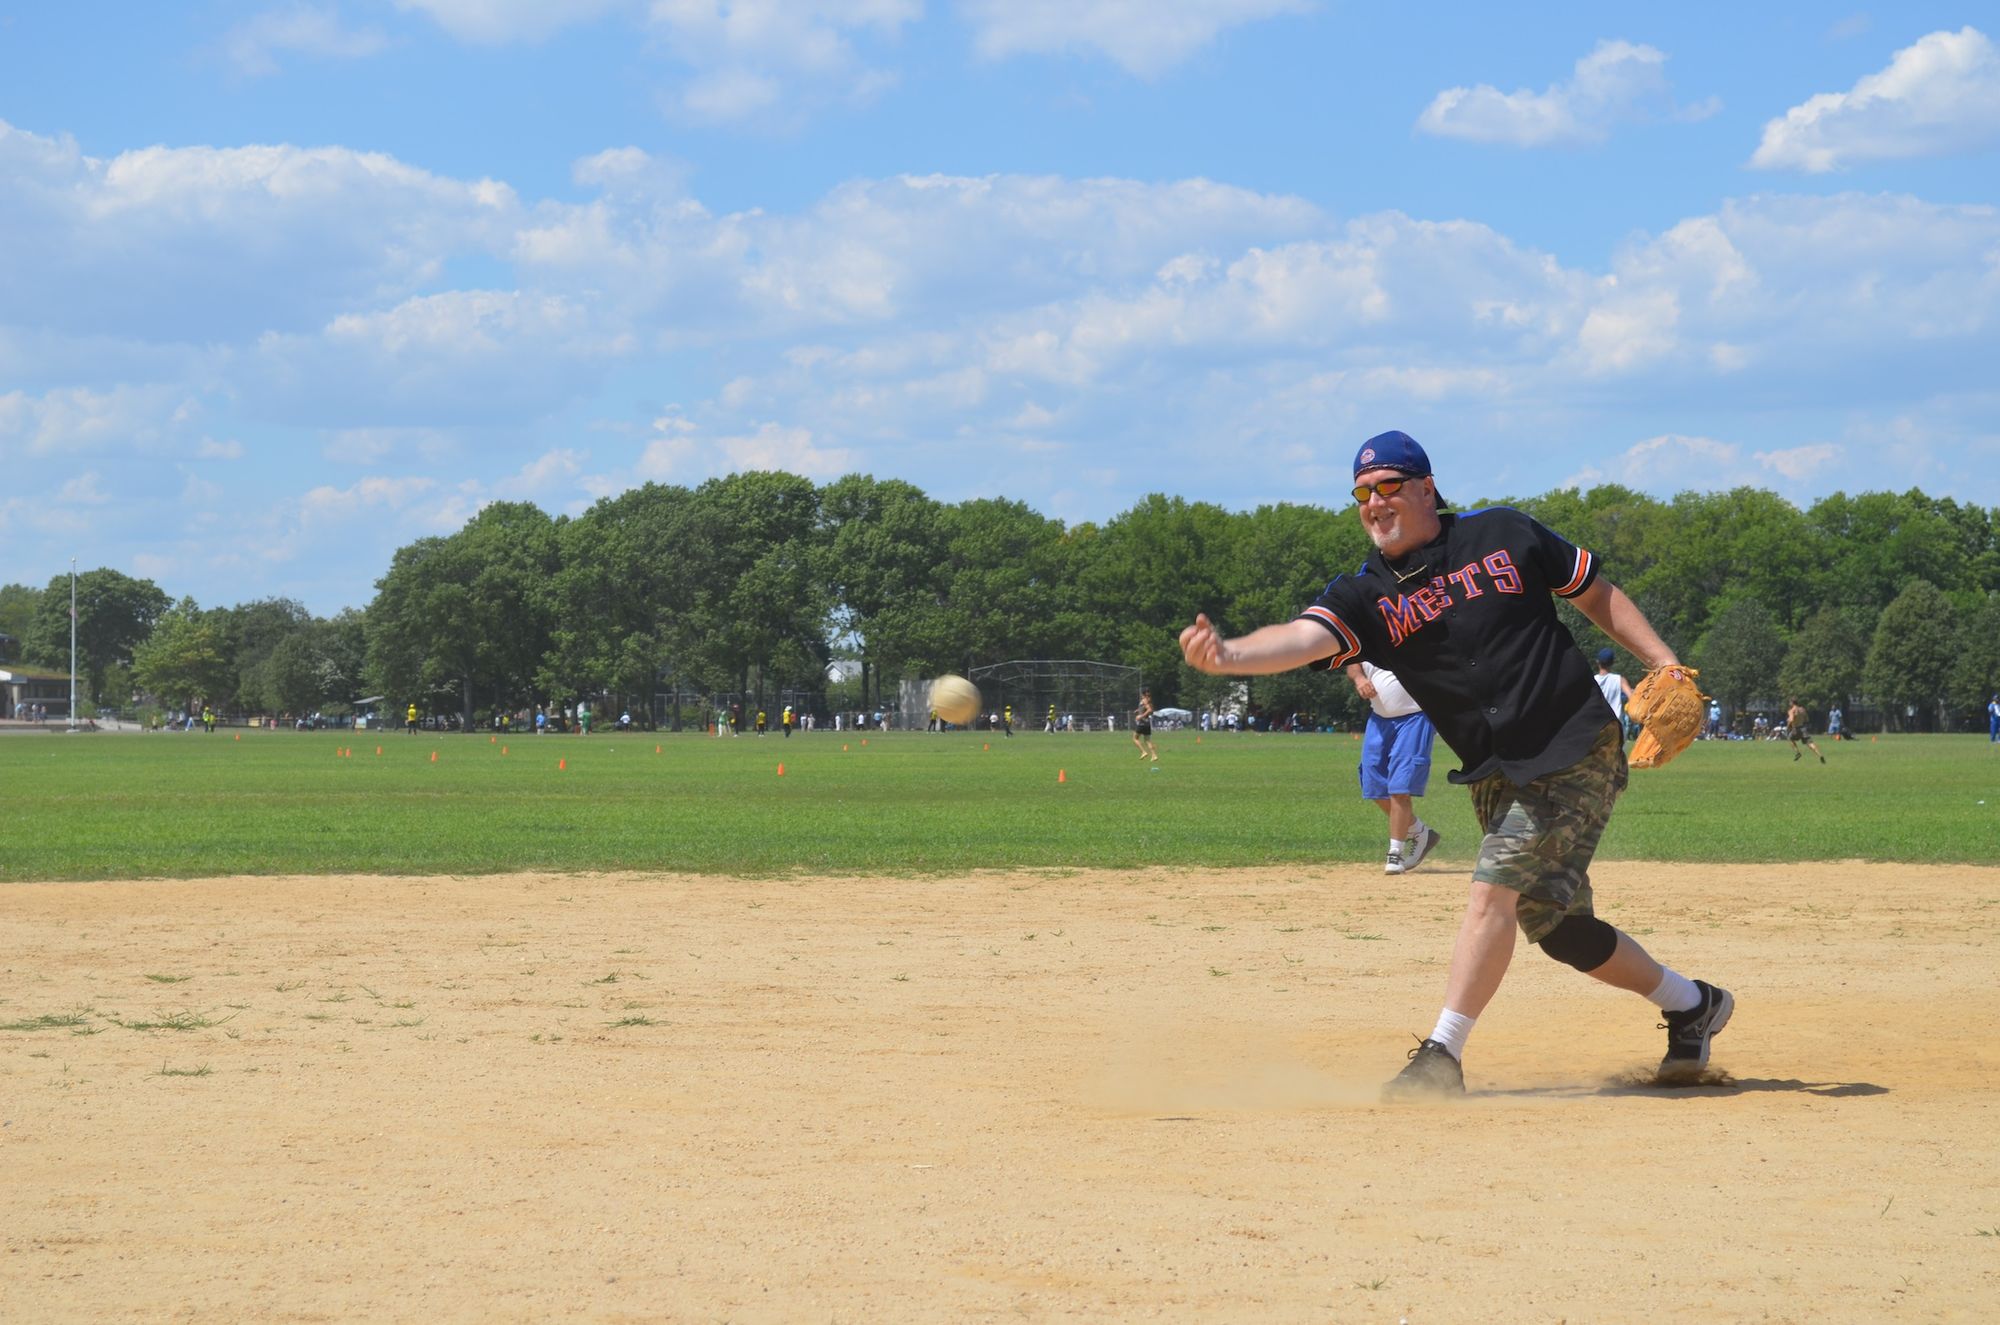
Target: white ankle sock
{"x": 1452, "y": 1028}
{"x": 1396, "y": 845}
{"x": 1675, "y": 994}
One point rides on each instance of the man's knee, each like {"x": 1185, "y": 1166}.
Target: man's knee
{"x": 1584, "y": 942}
{"x": 1492, "y": 899}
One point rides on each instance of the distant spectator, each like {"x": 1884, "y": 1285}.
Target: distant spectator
{"x": 1616, "y": 688}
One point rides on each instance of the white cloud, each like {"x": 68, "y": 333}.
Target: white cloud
{"x": 211, "y": 449}
{"x": 1799, "y": 463}
{"x": 1616, "y": 83}
{"x": 778, "y": 446}
{"x": 547, "y": 472}
{"x": 485, "y": 355}
{"x": 1144, "y": 37}
{"x": 1938, "y": 97}
{"x": 1625, "y": 332}
{"x": 200, "y": 244}
{"x": 1672, "y": 463}
{"x": 769, "y": 60}
{"x": 86, "y": 489}
{"x": 83, "y": 420}
{"x": 254, "y": 46}
{"x": 327, "y": 504}
{"x": 496, "y": 22}
{"x": 203, "y": 494}
{"x": 1669, "y": 463}
{"x": 369, "y": 447}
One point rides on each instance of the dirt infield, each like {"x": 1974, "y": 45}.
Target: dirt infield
{"x": 1103, "y": 1096}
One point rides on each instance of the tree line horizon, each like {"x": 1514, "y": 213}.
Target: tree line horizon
{"x": 754, "y": 584}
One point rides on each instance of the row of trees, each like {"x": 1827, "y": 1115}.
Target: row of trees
{"x": 753, "y": 584}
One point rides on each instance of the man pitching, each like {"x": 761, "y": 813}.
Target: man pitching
{"x": 1462, "y": 609}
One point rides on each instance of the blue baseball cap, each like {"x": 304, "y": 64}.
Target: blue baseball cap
{"x": 1605, "y": 656}
{"x": 1392, "y": 450}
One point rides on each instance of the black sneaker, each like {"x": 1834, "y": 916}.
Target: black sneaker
{"x": 1689, "y": 1033}
{"x": 1431, "y": 1072}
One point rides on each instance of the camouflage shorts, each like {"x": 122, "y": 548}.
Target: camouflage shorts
{"x": 1540, "y": 838}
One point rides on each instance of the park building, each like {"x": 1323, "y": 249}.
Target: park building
{"x": 23, "y": 688}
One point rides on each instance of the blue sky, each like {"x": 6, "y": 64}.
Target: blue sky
{"x": 284, "y": 286}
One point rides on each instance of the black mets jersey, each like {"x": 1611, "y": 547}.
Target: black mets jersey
{"x": 1468, "y": 624}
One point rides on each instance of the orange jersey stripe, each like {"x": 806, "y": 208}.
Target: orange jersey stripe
{"x": 1350, "y": 643}
{"x": 1584, "y": 561}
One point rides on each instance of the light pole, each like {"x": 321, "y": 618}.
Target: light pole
{"x": 72, "y": 644}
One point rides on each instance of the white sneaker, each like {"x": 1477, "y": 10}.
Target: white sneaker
{"x": 1394, "y": 865}
{"x": 1421, "y": 846}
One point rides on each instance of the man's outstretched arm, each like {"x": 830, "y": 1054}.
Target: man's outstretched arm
{"x": 1277, "y": 648}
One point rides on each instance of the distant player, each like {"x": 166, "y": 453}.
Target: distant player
{"x": 786, "y": 719}
{"x": 1050, "y": 725}
{"x": 1797, "y": 730}
{"x": 1615, "y": 687}
{"x": 1142, "y": 726}
{"x": 1007, "y": 720}
{"x": 760, "y": 722}
{"x": 1462, "y": 608}
{"x": 410, "y": 720}
{"x": 1395, "y": 763}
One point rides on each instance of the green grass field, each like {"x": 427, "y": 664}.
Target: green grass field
{"x": 103, "y": 806}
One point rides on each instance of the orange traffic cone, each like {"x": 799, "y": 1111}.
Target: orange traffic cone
{"x": 781, "y": 770}
{"x": 843, "y": 747}
{"x": 562, "y": 764}
{"x": 1061, "y": 776}
{"x": 434, "y": 756}
{"x": 239, "y": 736}
{"x": 986, "y": 745}
{"x": 503, "y": 749}
{"x": 378, "y": 752}
{"x": 493, "y": 740}
{"x": 656, "y": 749}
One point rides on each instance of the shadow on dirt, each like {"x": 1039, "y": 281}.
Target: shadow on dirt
{"x": 1711, "y": 1083}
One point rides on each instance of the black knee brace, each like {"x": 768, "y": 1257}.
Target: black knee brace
{"x": 1584, "y": 942}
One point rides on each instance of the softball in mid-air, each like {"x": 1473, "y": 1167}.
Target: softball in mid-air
{"x": 955, "y": 699}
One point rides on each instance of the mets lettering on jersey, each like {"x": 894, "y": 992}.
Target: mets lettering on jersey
{"x": 1468, "y": 622}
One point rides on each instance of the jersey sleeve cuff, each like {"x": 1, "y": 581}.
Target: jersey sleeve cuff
{"x": 1348, "y": 644}
{"x": 1582, "y": 575}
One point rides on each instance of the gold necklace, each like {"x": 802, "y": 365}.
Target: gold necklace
{"x": 1403, "y": 577}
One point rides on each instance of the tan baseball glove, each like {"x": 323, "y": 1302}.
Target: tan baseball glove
{"x": 1671, "y": 708}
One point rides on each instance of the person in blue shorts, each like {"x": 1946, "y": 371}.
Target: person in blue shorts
{"x": 1395, "y": 763}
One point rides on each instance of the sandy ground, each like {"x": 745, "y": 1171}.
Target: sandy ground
{"x": 1101, "y": 1096}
